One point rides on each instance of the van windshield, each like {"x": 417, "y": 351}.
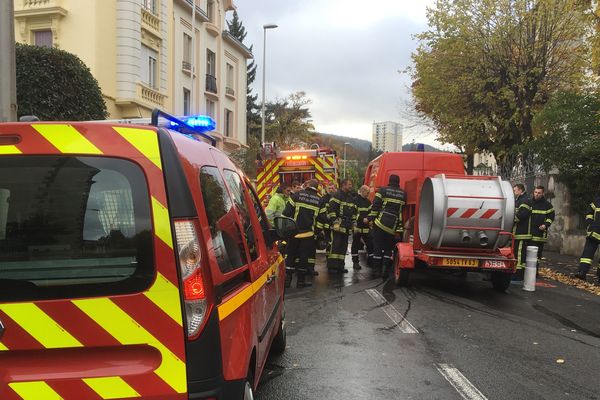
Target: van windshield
{"x": 73, "y": 227}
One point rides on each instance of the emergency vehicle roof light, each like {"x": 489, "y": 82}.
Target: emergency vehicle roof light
{"x": 195, "y": 125}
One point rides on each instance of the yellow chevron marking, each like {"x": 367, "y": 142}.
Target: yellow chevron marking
{"x": 10, "y": 150}
{"x": 162, "y": 223}
{"x": 39, "y": 325}
{"x": 66, "y": 139}
{"x": 166, "y": 296}
{"x": 229, "y": 306}
{"x": 34, "y": 391}
{"x": 127, "y": 331}
{"x": 111, "y": 388}
{"x": 145, "y": 140}
{"x": 3, "y": 347}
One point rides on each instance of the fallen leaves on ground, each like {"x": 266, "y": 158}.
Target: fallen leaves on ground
{"x": 567, "y": 280}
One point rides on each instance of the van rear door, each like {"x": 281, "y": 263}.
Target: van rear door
{"x": 89, "y": 299}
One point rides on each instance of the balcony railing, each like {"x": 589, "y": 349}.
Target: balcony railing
{"x": 39, "y": 3}
{"x": 151, "y": 96}
{"x": 186, "y": 66}
{"x": 211, "y": 83}
{"x": 229, "y": 91}
{"x": 150, "y": 20}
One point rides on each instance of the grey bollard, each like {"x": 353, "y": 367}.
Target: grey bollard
{"x": 530, "y": 269}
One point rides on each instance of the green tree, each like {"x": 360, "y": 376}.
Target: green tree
{"x": 56, "y": 86}
{"x": 287, "y": 121}
{"x": 486, "y": 67}
{"x": 568, "y": 138}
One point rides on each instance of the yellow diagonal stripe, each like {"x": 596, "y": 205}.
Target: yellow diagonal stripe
{"x": 166, "y": 296}
{"x": 66, "y": 139}
{"x": 145, "y": 140}
{"x": 111, "y": 388}
{"x": 162, "y": 223}
{"x": 10, "y": 150}
{"x": 34, "y": 391}
{"x": 39, "y": 325}
{"x": 127, "y": 331}
{"x": 3, "y": 347}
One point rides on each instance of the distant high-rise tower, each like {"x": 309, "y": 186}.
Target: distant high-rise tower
{"x": 387, "y": 136}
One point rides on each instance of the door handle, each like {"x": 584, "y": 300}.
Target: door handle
{"x": 271, "y": 278}
{"x": 1, "y": 329}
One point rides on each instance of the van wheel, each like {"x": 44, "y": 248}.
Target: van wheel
{"x": 500, "y": 281}
{"x": 280, "y": 340}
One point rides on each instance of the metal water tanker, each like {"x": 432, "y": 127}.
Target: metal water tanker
{"x": 461, "y": 211}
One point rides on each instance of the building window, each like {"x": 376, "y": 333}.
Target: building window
{"x": 187, "y": 52}
{"x": 211, "y": 67}
{"x": 210, "y": 108}
{"x": 42, "y": 38}
{"x": 150, "y": 5}
{"x": 186, "y": 101}
{"x": 210, "y": 10}
{"x": 150, "y": 67}
{"x": 229, "y": 87}
{"x": 228, "y": 122}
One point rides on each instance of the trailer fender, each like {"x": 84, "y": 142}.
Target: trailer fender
{"x": 405, "y": 256}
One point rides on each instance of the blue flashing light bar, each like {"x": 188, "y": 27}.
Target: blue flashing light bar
{"x": 194, "y": 125}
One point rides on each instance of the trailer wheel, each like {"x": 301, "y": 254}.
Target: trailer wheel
{"x": 401, "y": 275}
{"x": 501, "y": 281}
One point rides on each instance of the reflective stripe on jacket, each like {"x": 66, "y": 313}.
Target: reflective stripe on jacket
{"x": 592, "y": 218}
{"x": 304, "y": 208}
{"x": 542, "y": 213}
{"x": 363, "y": 205}
{"x": 522, "y": 227}
{"x": 341, "y": 208}
{"x": 387, "y": 208}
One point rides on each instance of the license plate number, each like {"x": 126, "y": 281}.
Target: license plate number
{"x": 461, "y": 262}
{"x": 494, "y": 264}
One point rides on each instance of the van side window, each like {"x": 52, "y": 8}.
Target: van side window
{"x": 228, "y": 242}
{"x": 262, "y": 218}
{"x": 237, "y": 193}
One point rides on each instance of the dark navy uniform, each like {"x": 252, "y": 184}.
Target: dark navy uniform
{"x": 342, "y": 214}
{"x": 362, "y": 237}
{"x": 304, "y": 208}
{"x": 522, "y": 228}
{"x": 542, "y": 213}
{"x": 592, "y": 240}
{"x": 386, "y": 215}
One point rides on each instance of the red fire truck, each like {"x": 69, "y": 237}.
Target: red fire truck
{"x": 285, "y": 166}
{"x": 453, "y": 221}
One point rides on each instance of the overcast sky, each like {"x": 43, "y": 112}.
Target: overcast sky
{"x": 345, "y": 54}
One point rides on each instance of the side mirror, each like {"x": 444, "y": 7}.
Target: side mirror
{"x": 285, "y": 227}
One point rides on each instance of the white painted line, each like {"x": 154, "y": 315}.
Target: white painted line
{"x": 396, "y": 317}
{"x": 462, "y": 385}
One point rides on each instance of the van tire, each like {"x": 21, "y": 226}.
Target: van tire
{"x": 280, "y": 340}
{"x": 500, "y": 281}
{"x": 248, "y": 393}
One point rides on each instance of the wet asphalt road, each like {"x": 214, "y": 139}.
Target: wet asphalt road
{"x": 459, "y": 339}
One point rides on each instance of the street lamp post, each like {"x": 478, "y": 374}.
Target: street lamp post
{"x": 345, "y": 144}
{"x": 264, "y": 68}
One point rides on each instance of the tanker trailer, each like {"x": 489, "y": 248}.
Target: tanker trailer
{"x": 463, "y": 223}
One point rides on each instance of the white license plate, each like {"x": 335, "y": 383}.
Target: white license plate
{"x": 494, "y": 264}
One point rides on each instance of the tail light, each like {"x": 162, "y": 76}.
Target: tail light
{"x": 190, "y": 260}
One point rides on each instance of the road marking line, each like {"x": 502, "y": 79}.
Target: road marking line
{"x": 462, "y": 385}
{"x": 396, "y": 317}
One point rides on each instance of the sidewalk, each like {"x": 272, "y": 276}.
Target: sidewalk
{"x": 560, "y": 267}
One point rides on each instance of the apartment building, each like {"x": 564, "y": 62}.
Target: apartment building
{"x": 150, "y": 54}
{"x": 387, "y": 136}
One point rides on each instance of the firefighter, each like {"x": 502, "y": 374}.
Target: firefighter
{"x": 296, "y": 186}
{"x": 542, "y": 216}
{"x": 341, "y": 214}
{"x": 592, "y": 218}
{"x": 361, "y": 237}
{"x": 521, "y": 228}
{"x": 386, "y": 217}
{"x": 278, "y": 201}
{"x": 330, "y": 189}
{"x": 304, "y": 208}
